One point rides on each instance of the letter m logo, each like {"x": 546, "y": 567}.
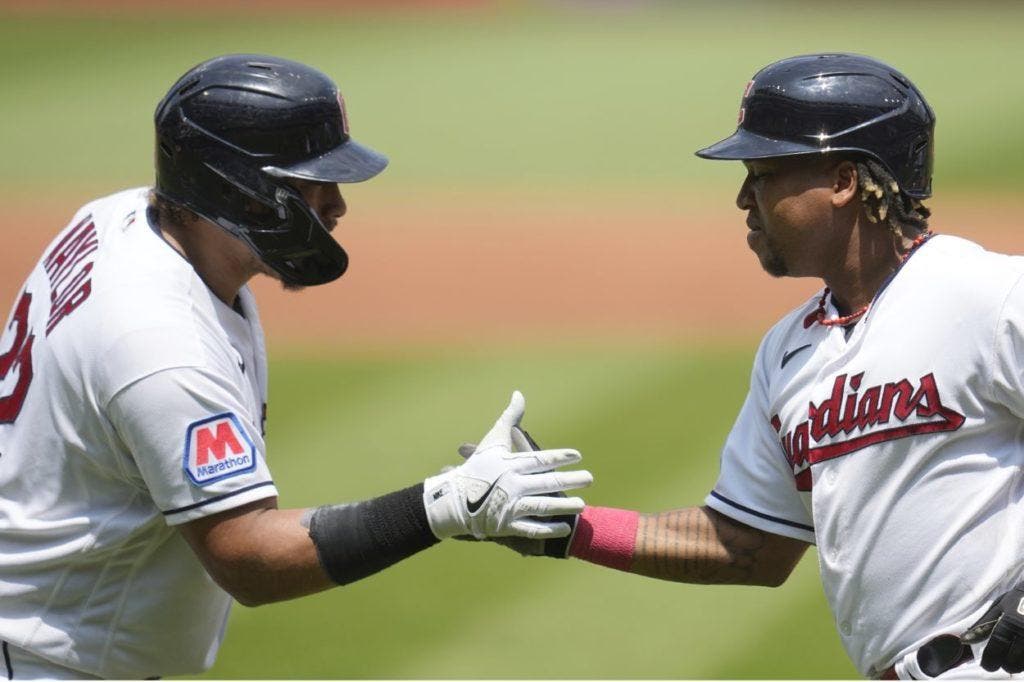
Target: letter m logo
{"x": 216, "y": 443}
{"x": 217, "y": 447}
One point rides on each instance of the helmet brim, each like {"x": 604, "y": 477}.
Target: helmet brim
{"x": 348, "y": 162}
{"x": 744, "y": 145}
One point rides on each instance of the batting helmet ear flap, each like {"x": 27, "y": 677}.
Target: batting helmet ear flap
{"x": 302, "y": 250}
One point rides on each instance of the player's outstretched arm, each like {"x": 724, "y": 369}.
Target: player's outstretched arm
{"x": 261, "y": 554}
{"x": 692, "y": 545}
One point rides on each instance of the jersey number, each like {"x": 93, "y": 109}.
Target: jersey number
{"x": 20, "y": 356}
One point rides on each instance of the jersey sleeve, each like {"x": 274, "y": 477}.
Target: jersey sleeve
{"x": 755, "y": 482}
{"x": 198, "y": 449}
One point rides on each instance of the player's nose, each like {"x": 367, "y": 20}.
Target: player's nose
{"x": 745, "y": 198}
{"x": 337, "y": 207}
{"x": 331, "y": 206}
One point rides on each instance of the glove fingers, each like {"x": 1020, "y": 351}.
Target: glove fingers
{"x": 555, "y": 481}
{"x": 548, "y": 506}
{"x": 539, "y": 530}
{"x": 531, "y": 462}
{"x": 521, "y": 441}
{"x": 995, "y": 650}
{"x": 1014, "y": 662}
{"x": 523, "y": 546}
{"x": 500, "y": 432}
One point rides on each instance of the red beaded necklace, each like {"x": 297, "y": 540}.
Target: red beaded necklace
{"x": 819, "y": 314}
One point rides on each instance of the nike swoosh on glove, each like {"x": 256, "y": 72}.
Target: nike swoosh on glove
{"x": 496, "y": 491}
{"x": 557, "y": 548}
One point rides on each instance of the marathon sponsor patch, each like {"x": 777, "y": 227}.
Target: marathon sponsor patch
{"x": 217, "y": 447}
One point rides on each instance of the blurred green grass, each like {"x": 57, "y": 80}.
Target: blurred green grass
{"x": 649, "y": 421}
{"x": 528, "y": 95}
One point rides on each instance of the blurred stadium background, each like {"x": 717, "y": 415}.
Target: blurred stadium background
{"x": 543, "y": 226}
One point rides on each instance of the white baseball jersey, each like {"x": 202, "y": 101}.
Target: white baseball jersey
{"x": 897, "y": 449}
{"x": 131, "y": 400}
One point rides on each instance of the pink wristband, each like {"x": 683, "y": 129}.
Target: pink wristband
{"x": 606, "y": 536}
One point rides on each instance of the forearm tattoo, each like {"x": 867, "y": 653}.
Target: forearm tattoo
{"x": 698, "y": 545}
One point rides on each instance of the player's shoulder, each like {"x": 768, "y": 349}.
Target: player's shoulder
{"x": 957, "y": 258}
{"x": 138, "y": 280}
{"x": 793, "y": 330}
{"x": 111, "y": 210}
{"x": 147, "y": 310}
{"x": 963, "y": 274}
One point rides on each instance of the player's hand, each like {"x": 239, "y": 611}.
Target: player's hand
{"x": 1003, "y": 624}
{"x": 497, "y": 492}
{"x": 552, "y": 547}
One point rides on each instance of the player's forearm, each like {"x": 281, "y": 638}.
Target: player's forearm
{"x": 694, "y": 545}
{"x": 260, "y": 554}
{"x": 699, "y": 545}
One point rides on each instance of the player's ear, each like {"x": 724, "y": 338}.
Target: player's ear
{"x": 844, "y": 183}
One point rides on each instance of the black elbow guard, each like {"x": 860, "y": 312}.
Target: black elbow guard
{"x": 356, "y": 540}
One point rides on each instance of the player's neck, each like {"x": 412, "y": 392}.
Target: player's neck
{"x": 221, "y": 261}
{"x": 869, "y": 259}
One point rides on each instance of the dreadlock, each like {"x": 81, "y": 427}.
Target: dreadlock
{"x": 885, "y": 203}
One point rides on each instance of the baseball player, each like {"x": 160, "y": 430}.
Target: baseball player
{"x": 136, "y": 498}
{"x": 885, "y": 417}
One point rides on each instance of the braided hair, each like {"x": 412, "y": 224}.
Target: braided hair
{"x": 885, "y": 203}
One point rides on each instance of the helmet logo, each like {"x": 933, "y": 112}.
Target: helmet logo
{"x": 743, "y": 109}
{"x": 344, "y": 114}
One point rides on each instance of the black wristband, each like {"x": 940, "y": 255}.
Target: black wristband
{"x": 356, "y": 540}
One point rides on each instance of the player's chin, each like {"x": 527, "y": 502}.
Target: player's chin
{"x": 773, "y": 264}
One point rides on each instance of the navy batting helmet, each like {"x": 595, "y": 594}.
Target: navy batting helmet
{"x": 229, "y": 135}
{"x": 836, "y": 103}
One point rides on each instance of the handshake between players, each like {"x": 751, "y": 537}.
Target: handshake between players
{"x": 506, "y": 490}
{"x": 499, "y": 492}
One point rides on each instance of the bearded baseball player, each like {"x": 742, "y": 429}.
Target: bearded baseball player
{"x": 885, "y": 417}
{"x": 136, "y": 498}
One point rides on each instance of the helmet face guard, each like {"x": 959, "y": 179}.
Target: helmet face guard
{"x": 836, "y": 103}
{"x": 234, "y": 130}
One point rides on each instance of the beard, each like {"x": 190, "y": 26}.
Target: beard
{"x": 773, "y": 264}
{"x": 771, "y": 261}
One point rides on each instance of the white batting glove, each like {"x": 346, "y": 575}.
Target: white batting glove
{"x": 492, "y": 492}
{"x": 557, "y": 548}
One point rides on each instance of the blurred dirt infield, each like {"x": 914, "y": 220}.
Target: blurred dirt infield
{"x": 427, "y": 272}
